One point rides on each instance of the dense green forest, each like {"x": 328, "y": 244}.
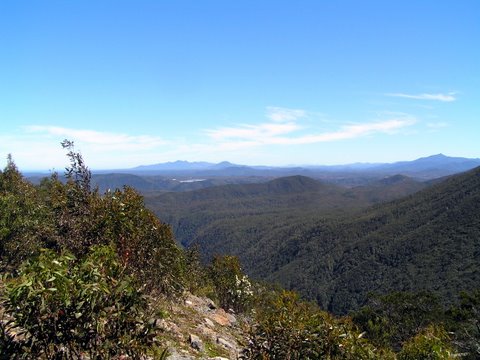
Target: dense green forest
{"x": 82, "y": 273}
{"x": 224, "y": 219}
{"x": 327, "y": 243}
{"x": 427, "y": 241}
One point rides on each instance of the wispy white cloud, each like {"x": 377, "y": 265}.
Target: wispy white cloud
{"x": 288, "y": 133}
{"x": 449, "y": 97}
{"x": 352, "y": 131}
{"x": 282, "y": 121}
{"x": 258, "y": 132}
{"x": 38, "y": 146}
{"x": 98, "y": 138}
{"x": 279, "y": 114}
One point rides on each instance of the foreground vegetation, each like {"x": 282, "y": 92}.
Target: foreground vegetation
{"x": 81, "y": 271}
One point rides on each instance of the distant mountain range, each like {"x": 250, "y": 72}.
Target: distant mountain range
{"x": 439, "y": 164}
{"x": 423, "y": 168}
{"x": 181, "y": 165}
{"x": 184, "y": 175}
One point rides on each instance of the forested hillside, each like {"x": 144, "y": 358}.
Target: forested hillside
{"x": 326, "y": 243}
{"x": 429, "y": 240}
{"x": 251, "y": 212}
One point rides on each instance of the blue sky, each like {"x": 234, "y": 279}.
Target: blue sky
{"x": 251, "y": 82}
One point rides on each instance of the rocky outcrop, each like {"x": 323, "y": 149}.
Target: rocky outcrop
{"x": 198, "y": 329}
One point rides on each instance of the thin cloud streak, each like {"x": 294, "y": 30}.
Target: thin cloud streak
{"x": 253, "y": 132}
{"x": 351, "y": 132}
{"x": 437, "y": 97}
{"x": 279, "y": 114}
{"x": 99, "y": 139}
{"x": 275, "y": 134}
{"x": 38, "y": 146}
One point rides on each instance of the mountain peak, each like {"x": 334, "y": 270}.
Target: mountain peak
{"x": 224, "y": 164}
{"x": 438, "y": 156}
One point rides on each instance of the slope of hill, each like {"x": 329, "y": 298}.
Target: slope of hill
{"x": 331, "y": 250}
{"x": 429, "y": 240}
{"x": 246, "y": 212}
{"x": 156, "y": 183}
{"x": 239, "y": 219}
{"x": 71, "y": 259}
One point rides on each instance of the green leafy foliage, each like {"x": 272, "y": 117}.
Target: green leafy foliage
{"x": 232, "y": 287}
{"x": 65, "y": 308}
{"x": 431, "y": 344}
{"x": 23, "y": 218}
{"x": 88, "y": 256}
{"x": 198, "y": 280}
{"x": 146, "y": 245}
{"x": 289, "y": 328}
{"x": 71, "y": 216}
{"x": 464, "y": 321}
{"x": 392, "y": 319}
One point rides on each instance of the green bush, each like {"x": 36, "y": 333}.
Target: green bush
{"x": 73, "y": 217}
{"x": 23, "y": 218}
{"x": 289, "y": 328}
{"x": 145, "y": 245}
{"x": 430, "y": 344}
{"x": 390, "y": 320}
{"x": 64, "y": 308}
{"x": 465, "y": 322}
{"x": 198, "y": 281}
{"x": 232, "y": 287}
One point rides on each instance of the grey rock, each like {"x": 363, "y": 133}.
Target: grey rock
{"x": 210, "y": 304}
{"x": 225, "y": 343}
{"x": 174, "y": 355}
{"x": 209, "y": 323}
{"x": 196, "y": 343}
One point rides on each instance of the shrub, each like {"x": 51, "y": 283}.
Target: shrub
{"x": 232, "y": 287}
{"x": 145, "y": 245}
{"x": 432, "y": 343}
{"x": 22, "y": 218}
{"x": 73, "y": 217}
{"x": 197, "y": 282}
{"x": 465, "y": 322}
{"x": 64, "y": 308}
{"x": 291, "y": 329}
{"x": 389, "y": 320}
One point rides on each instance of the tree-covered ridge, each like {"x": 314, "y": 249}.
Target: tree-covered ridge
{"x": 427, "y": 241}
{"x": 236, "y": 218}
